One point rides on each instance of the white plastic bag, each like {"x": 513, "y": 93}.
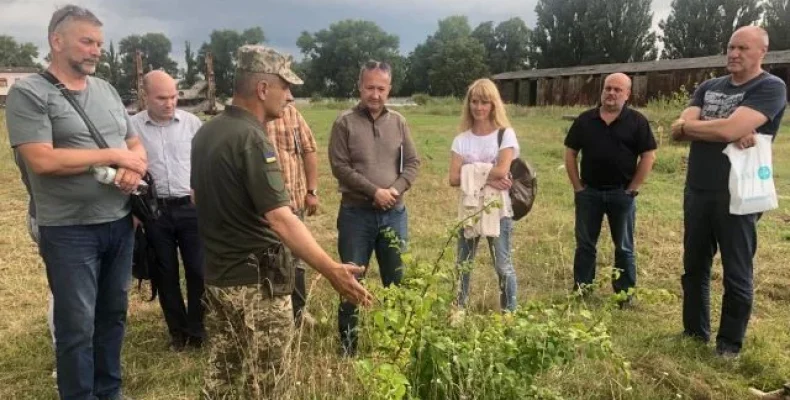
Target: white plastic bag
{"x": 752, "y": 187}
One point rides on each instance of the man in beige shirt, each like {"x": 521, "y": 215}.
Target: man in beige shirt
{"x": 296, "y": 153}
{"x": 375, "y": 163}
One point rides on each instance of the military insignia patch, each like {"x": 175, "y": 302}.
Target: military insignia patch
{"x": 270, "y": 157}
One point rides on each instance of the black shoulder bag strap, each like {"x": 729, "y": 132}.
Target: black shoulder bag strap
{"x": 143, "y": 207}
{"x": 97, "y": 137}
{"x": 499, "y": 137}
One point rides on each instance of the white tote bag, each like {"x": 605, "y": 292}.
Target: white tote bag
{"x": 752, "y": 187}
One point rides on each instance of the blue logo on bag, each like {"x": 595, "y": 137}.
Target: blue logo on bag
{"x": 764, "y": 173}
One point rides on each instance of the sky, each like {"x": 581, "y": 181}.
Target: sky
{"x": 282, "y": 21}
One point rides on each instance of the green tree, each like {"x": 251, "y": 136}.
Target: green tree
{"x": 559, "y": 37}
{"x": 155, "y": 49}
{"x": 301, "y": 68}
{"x": 777, "y": 23}
{"x": 620, "y": 31}
{"x": 13, "y": 54}
{"x": 484, "y": 33}
{"x": 419, "y": 63}
{"x": 109, "y": 67}
{"x": 507, "y": 46}
{"x": 336, "y": 54}
{"x": 513, "y": 46}
{"x": 191, "y": 71}
{"x": 448, "y": 61}
{"x": 223, "y": 45}
{"x": 583, "y": 32}
{"x": 455, "y": 65}
{"x": 697, "y": 28}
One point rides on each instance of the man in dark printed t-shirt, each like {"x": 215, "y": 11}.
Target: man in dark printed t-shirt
{"x": 728, "y": 109}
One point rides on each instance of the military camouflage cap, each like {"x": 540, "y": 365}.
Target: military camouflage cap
{"x": 262, "y": 59}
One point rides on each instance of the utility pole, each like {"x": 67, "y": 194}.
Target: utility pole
{"x": 210, "y": 87}
{"x": 138, "y": 69}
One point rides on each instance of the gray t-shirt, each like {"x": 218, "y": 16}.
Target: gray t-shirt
{"x": 709, "y": 168}
{"x": 36, "y": 112}
{"x": 20, "y": 163}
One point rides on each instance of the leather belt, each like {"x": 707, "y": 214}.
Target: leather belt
{"x": 173, "y": 201}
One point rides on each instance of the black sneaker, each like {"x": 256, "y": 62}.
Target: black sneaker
{"x": 627, "y": 303}
{"x": 194, "y": 342}
{"x": 178, "y": 344}
{"x": 727, "y": 353}
{"x": 694, "y": 336}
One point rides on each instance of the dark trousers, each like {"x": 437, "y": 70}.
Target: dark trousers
{"x": 708, "y": 226}
{"x": 620, "y": 209}
{"x": 177, "y": 231}
{"x": 89, "y": 268}
{"x": 299, "y": 295}
{"x": 361, "y": 231}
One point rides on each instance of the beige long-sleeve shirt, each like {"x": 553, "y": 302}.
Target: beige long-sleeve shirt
{"x": 367, "y": 154}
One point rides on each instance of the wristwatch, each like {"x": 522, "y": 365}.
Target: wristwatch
{"x": 312, "y": 192}
{"x": 632, "y": 192}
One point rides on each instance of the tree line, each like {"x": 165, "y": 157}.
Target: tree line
{"x": 566, "y": 33}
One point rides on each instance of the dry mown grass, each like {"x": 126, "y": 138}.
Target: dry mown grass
{"x": 663, "y": 365}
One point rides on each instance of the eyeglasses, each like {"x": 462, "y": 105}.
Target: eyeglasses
{"x": 371, "y": 65}
{"x": 69, "y": 11}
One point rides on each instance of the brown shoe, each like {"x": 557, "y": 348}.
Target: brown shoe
{"x": 781, "y": 394}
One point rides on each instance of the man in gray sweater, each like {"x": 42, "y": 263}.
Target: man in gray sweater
{"x": 375, "y": 163}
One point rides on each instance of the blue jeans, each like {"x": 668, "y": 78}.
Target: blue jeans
{"x": 362, "y": 230}
{"x": 500, "y": 248}
{"x": 708, "y": 225}
{"x": 89, "y": 269}
{"x": 620, "y": 209}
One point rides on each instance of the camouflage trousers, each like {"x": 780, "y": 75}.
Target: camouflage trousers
{"x": 250, "y": 340}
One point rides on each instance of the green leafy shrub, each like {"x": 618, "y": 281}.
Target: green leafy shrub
{"x": 414, "y": 348}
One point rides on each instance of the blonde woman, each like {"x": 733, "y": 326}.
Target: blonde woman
{"x": 480, "y": 166}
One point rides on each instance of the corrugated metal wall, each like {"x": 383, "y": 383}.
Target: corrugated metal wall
{"x": 586, "y": 89}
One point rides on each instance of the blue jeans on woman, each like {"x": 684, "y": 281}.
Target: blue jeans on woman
{"x": 503, "y": 264}
{"x": 89, "y": 268}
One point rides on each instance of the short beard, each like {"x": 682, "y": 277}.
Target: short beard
{"x": 81, "y": 68}
{"x": 611, "y": 109}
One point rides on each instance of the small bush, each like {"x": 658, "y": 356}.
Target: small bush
{"x": 421, "y": 99}
{"x": 414, "y": 351}
{"x": 316, "y": 98}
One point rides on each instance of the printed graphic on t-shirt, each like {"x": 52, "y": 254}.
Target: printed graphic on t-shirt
{"x": 720, "y": 105}
{"x": 483, "y": 149}
{"x": 485, "y": 155}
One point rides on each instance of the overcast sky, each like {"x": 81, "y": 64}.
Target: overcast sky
{"x": 282, "y": 21}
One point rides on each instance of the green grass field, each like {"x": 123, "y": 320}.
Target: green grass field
{"x": 663, "y": 366}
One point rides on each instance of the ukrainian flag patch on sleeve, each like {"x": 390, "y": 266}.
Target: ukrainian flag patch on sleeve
{"x": 270, "y": 157}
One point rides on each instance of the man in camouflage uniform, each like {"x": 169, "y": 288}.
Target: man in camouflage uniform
{"x": 245, "y": 223}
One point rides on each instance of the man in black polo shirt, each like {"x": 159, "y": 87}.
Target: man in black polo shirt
{"x": 618, "y": 151}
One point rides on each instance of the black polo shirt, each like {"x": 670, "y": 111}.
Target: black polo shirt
{"x": 610, "y": 152}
